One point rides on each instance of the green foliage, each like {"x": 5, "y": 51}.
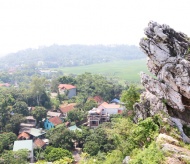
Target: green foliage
{"x": 91, "y": 147}
{"x": 38, "y": 92}
{"x": 57, "y": 154}
{"x": 7, "y": 140}
{"x": 130, "y": 96}
{"x": 48, "y": 149}
{"x": 114, "y": 157}
{"x": 61, "y": 137}
{"x": 65, "y": 160}
{"x": 76, "y": 116}
{"x": 39, "y": 113}
{"x": 150, "y": 155}
{"x": 21, "y": 107}
{"x": 39, "y": 153}
{"x": 16, "y": 157}
{"x": 67, "y": 80}
{"x": 144, "y": 132}
{"x": 127, "y": 136}
{"x": 89, "y": 105}
{"x": 80, "y": 136}
{"x": 55, "y": 103}
{"x": 13, "y": 124}
{"x": 98, "y": 141}
{"x": 89, "y": 85}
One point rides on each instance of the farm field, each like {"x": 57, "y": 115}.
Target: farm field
{"x": 124, "y": 71}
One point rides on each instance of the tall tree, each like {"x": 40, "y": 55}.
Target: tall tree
{"x": 39, "y": 113}
{"x": 13, "y": 124}
{"x": 21, "y": 107}
{"x": 130, "y": 96}
{"x": 61, "y": 137}
{"x": 38, "y": 88}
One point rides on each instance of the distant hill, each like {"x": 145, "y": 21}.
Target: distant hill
{"x": 73, "y": 55}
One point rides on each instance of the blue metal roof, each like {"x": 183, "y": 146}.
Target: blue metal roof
{"x": 115, "y": 101}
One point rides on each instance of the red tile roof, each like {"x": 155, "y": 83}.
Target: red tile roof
{"x": 66, "y": 86}
{"x": 120, "y": 111}
{"x": 67, "y": 108}
{"x": 39, "y": 143}
{"x": 4, "y": 84}
{"x": 55, "y": 120}
{"x": 23, "y": 135}
{"x": 98, "y": 99}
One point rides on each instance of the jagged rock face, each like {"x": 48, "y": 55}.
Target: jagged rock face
{"x": 167, "y": 52}
{"x": 148, "y": 106}
{"x": 168, "y": 55}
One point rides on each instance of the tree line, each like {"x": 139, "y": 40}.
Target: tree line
{"x": 74, "y": 55}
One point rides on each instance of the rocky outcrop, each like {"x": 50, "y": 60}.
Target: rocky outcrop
{"x": 176, "y": 153}
{"x": 168, "y": 54}
{"x": 148, "y": 106}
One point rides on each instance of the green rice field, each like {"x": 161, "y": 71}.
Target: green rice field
{"x": 126, "y": 70}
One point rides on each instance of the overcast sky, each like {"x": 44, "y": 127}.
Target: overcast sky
{"x": 33, "y": 23}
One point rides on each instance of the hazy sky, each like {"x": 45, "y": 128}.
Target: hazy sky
{"x": 33, "y": 23}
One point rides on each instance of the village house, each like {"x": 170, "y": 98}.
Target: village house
{"x": 52, "y": 122}
{"x": 96, "y": 116}
{"x": 25, "y": 144}
{"x": 25, "y": 125}
{"x": 111, "y": 108}
{"x": 31, "y": 120}
{"x": 54, "y": 114}
{"x": 24, "y": 129}
{"x": 30, "y": 133}
{"x": 102, "y": 114}
{"x": 65, "y": 108}
{"x": 39, "y": 143}
{"x": 30, "y": 123}
{"x": 68, "y": 89}
{"x": 23, "y": 136}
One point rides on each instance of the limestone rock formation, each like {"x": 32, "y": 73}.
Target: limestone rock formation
{"x": 168, "y": 55}
{"x": 171, "y": 145}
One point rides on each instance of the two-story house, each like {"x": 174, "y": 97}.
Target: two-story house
{"x": 102, "y": 114}
{"x": 68, "y": 89}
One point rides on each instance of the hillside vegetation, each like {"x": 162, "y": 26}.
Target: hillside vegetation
{"x": 74, "y": 55}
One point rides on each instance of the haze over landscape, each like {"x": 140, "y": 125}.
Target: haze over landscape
{"x": 33, "y": 23}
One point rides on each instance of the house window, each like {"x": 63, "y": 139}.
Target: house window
{"x": 103, "y": 119}
{"x": 93, "y": 122}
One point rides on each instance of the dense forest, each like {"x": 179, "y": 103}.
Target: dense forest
{"x": 73, "y": 55}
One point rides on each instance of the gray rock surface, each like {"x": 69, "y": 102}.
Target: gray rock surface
{"x": 168, "y": 55}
